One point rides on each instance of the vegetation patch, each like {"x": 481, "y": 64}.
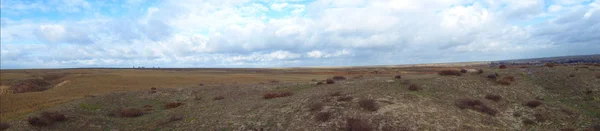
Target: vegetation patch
{"x": 277, "y": 94}
{"x": 398, "y": 77}
{"x": 173, "y": 105}
{"x": 323, "y": 116}
{"x": 46, "y": 119}
{"x": 353, "y": 124}
{"x": 502, "y": 67}
{"x": 218, "y": 98}
{"x": 345, "y": 98}
{"x": 29, "y": 85}
{"x": 493, "y": 97}
{"x": 316, "y": 106}
{"x": 449, "y": 73}
{"x": 89, "y": 107}
{"x": 475, "y": 105}
{"x": 533, "y": 103}
{"x": 330, "y": 81}
{"x": 463, "y": 70}
{"x": 368, "y": 104}
{"x": 414, "y": 87}
{"x": 131, "y": 112}
{"x": 338, "y": 78}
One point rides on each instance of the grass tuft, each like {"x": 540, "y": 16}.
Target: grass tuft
{"x": 338, "y": 78}
{"x": 413, "y": 87}
{"x": 398, "y": 77}
{"x": 36, "y": 121}
{"x": 276, "y": 95}
{"x": 475, "y": 105}
{"x": 330, "y": 81}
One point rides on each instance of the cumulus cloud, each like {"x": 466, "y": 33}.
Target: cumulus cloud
{"x": 234, "y": 33}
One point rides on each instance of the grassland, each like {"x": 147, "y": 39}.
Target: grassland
{"x": 569, "y": 97}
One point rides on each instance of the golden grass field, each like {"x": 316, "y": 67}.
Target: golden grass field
{"x": 569, "y": 95}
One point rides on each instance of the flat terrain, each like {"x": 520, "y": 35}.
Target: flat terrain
{"x": 369, "y": 98}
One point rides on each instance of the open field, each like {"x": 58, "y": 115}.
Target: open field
{"x": 369, "y": 98}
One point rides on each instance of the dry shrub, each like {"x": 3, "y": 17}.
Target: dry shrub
{"x": 589, "y": 91}
{"x": 338, "y": 78}
{"x": 502, "y": 67}
{"x": 475, "y": 105}
{"x": 316, "y": 106}
{"x": 449, "y": 73}
{"x": 153, "y": 88}
{"x": 147, "y": 108}
{"x": 597, "y": 75}
{"x": 353, "y": 124}
{"x": 323, "y": 116}
{"x": 337, "y": 93}
{"x": 506, "y": 80}
{"x": 53, "y": 116}
{"x": 493, "y": 97}
{"x": 218, "y": 98}
{"x": 479, "y": 71}
{"x": 533, "y": 103}
{"x": 368, "y": 104}
{"x": 274, "y": 81}
{"x": 275, "y": 95}
{"x": 549, "y": 64}
{"x": 345, "y": 98}
{"x": 175, "y": 118}
{"x": 4, "y": 126}
{"x": 572, "y": 75}
{"x": 524, "y": 67}
{"x": 320, "y": 83}
{"x": 173, "y": 105}
{"x": 131, "y": 112}
{"x": 528, "y": 122}
{"x": 398, "y": 77}
{"x": 330, "y": 81}
{"x": 540, "y": 117}
{"x": 29, "y": 85}
{"x": 509, "y": 78}
{"x": 463, "y": 70}
{"x": 492, "y": 76}
{"x": 36, "y": 121}
{"x": 413, "y": 87}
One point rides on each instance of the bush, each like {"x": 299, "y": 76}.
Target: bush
{"x": 53, "y": 116}
{"x": 572, "y": 75}
{"x": 173, "y": 105}
{"x": 502, "y": 67}
{"x": 475, "y": 105}
{"x": 153, "y": 88}
{"x": 338, "y": 78}
{"x": 337, "y": 93}
{"x": 275, "y": 95}
{"x": 463, "y": 71}
{"x": 598, "y": 75}
{"x": 509, "y": 78}
{"x": 323, "y": 116}
{"x": 493, "y": 97}
{"x": 479, "y": 71}
{"x": 4, "y": 126}
{"x": 353, "y": 124}
{"x": 449, "y": 73}
{"x": 330, "y": 81}
{"x": 491, "y": 76}
{"x": 528, "y": 122}
{"x": 413, "y": 87}
{"x": 550, "y": 65}
{"x": 368, "y": 104}
{"x": 36, "y": 121}
{"x": 218, "y": 98}
{"x": 345, "y": 98}
{"x": 398, "y": 77}
{"x": 506, "y": 81}
{"x": 316, "y": 106}
{"x": 131, "y": 112}
{"x": 533, "y": 103}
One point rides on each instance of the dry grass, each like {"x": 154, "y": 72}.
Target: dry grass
{"x": 449, "y": 73}
{"x": 277, "y": 94}
{"x": 173, "y": 105}
{"x": 353, "y": 124}
{"x": 368, "y": 104}
{"x": 131, "y": 112}
{"x": 533, "y": 103}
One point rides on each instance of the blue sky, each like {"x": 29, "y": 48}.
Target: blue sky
{"x": 290, "y": 33}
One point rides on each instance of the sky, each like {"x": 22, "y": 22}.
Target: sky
{"x": 290, "y": 33}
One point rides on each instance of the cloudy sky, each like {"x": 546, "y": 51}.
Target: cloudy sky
{"x": 290, "y": 33}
